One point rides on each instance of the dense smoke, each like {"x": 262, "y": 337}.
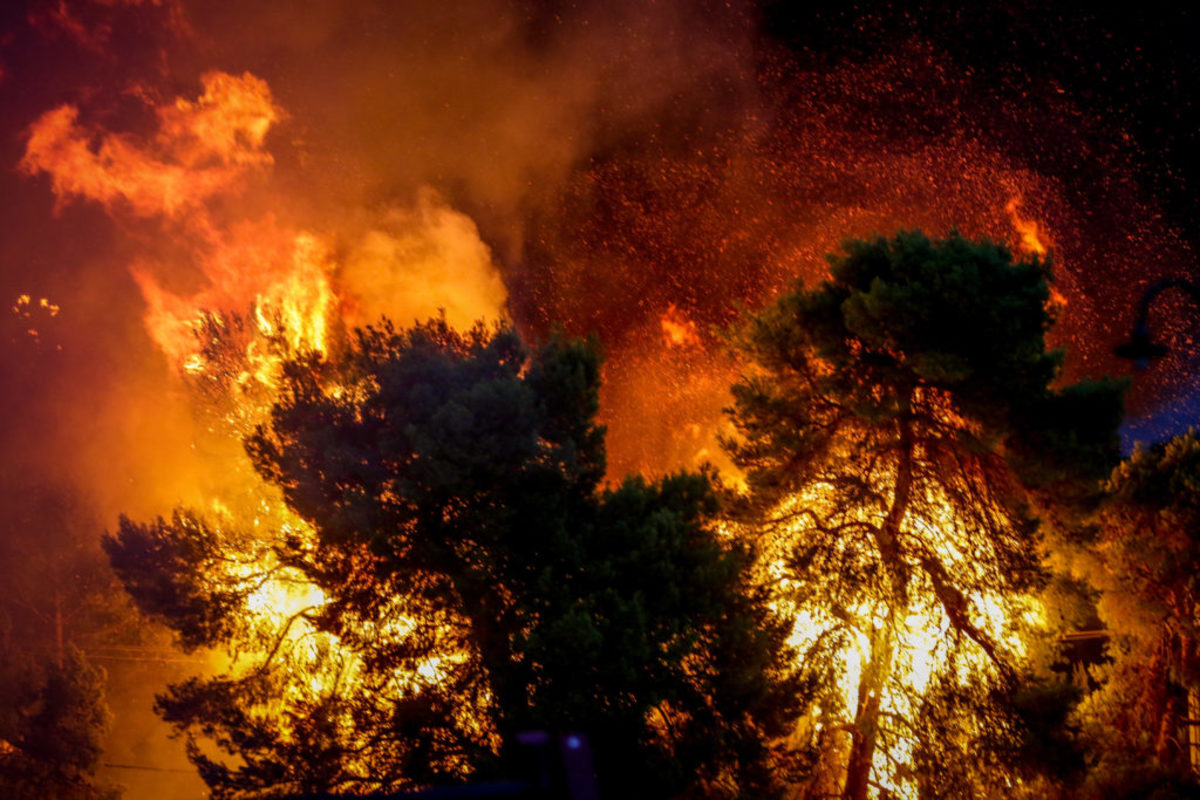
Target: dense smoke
{"x": 627, "y": 169}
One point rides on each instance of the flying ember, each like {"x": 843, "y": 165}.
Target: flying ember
{"x": 722, "y": 390}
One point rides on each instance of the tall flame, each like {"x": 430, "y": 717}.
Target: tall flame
{"x": 1030, "y": 233}
{"x": 270, "y": 291}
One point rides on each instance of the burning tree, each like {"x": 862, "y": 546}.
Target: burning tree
{"x": 451, "y": 573}
{"x": 1144, "y": 558}
{"x": 894, "y": 425}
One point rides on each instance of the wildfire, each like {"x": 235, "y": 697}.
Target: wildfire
{"x": 678, "y": 330}
{"x": 273, "y": 291}
{"x": 927, "y": 644}
{"x": 260, "y": 288}
{"x": 1028, "y": 229}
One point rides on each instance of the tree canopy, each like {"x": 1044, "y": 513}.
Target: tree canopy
{"x": 1143, "y": 557}
{"x": 53, "y": 718}
{"x": 466, "y": 577}
{"x": 432, "y": 562}
{"x": 899, "y": 426}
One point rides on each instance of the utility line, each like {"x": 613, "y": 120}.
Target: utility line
{"x": 148, "y": 769}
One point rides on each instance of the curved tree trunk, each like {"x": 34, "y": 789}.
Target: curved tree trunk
{"x": 866, "y": 717}
{"x": 883, "y": 639}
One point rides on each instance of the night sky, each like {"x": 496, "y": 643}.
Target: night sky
{"x": 623, "y": 163}
{"x": 637, "y": 171}
{"x": 1131, "y": 74}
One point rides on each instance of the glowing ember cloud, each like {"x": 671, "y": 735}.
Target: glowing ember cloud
{"x": 652, "y": 242}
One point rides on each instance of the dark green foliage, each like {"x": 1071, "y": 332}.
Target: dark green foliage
{"x": 58, "y": 590}
{"x": 1063, "y": 445}
{"x": 1044, "y": 742}
{"x": 1013, "y": 739}
{"x": 453, "y": 480}
{"x": 956, "y": 317}
{"x": 901, "y": 431}
{"x": 52, "y": 722}
{"x": 167, "y": 570}
{"x": 1148, "y": 547}
{"x": 1130, "y": 777}
{"x": 1144, "y": 558}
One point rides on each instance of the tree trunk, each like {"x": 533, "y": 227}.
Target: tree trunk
{"x": 1193, "y": 731}
{"x": 866, "y": 717}
{"x": 883, "y": 639}
{"x": 58, "y": 628}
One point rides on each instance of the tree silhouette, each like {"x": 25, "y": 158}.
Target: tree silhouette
{"x": 467, "y": 579}
{"x": 51, "y": 728}
{"x": 898, "y": 433}
{"x": 1144, "y": 558}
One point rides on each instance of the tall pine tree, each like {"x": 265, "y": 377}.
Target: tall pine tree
{"x": 897, "y": 426}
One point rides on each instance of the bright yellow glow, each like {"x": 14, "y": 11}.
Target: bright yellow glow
{"x": 925, "y": 640}
{"x": 678, "y": 330}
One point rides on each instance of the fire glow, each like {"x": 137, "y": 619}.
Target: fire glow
{"x": 231, "y": 291}
{"x": 285, "y": 283}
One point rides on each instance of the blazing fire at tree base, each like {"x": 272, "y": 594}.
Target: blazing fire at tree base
{"x": 446, "y": 372}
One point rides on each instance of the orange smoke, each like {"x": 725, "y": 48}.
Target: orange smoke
{"x": 410, "y": 263}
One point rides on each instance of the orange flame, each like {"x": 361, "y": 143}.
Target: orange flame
{"x": 409, "y": 264}
{"x": 1029, "y": 230}
{"x": 677, "y": 328}
{"x": 202, "y": 149}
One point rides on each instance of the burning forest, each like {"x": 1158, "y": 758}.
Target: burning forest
{"x": 724, "y": 392}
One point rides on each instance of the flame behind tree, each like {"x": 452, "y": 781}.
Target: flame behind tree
{"x": 889, "y": 428}
{"x": 466, "y": 580}
{"x": 1145, "y": 561}
{"x": 192, "y": 176}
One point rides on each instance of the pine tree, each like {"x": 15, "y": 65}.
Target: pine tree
{"x": 898, "y": 428}
{"x": 469, "y": 579}
{"x": 1144, "y": 558}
